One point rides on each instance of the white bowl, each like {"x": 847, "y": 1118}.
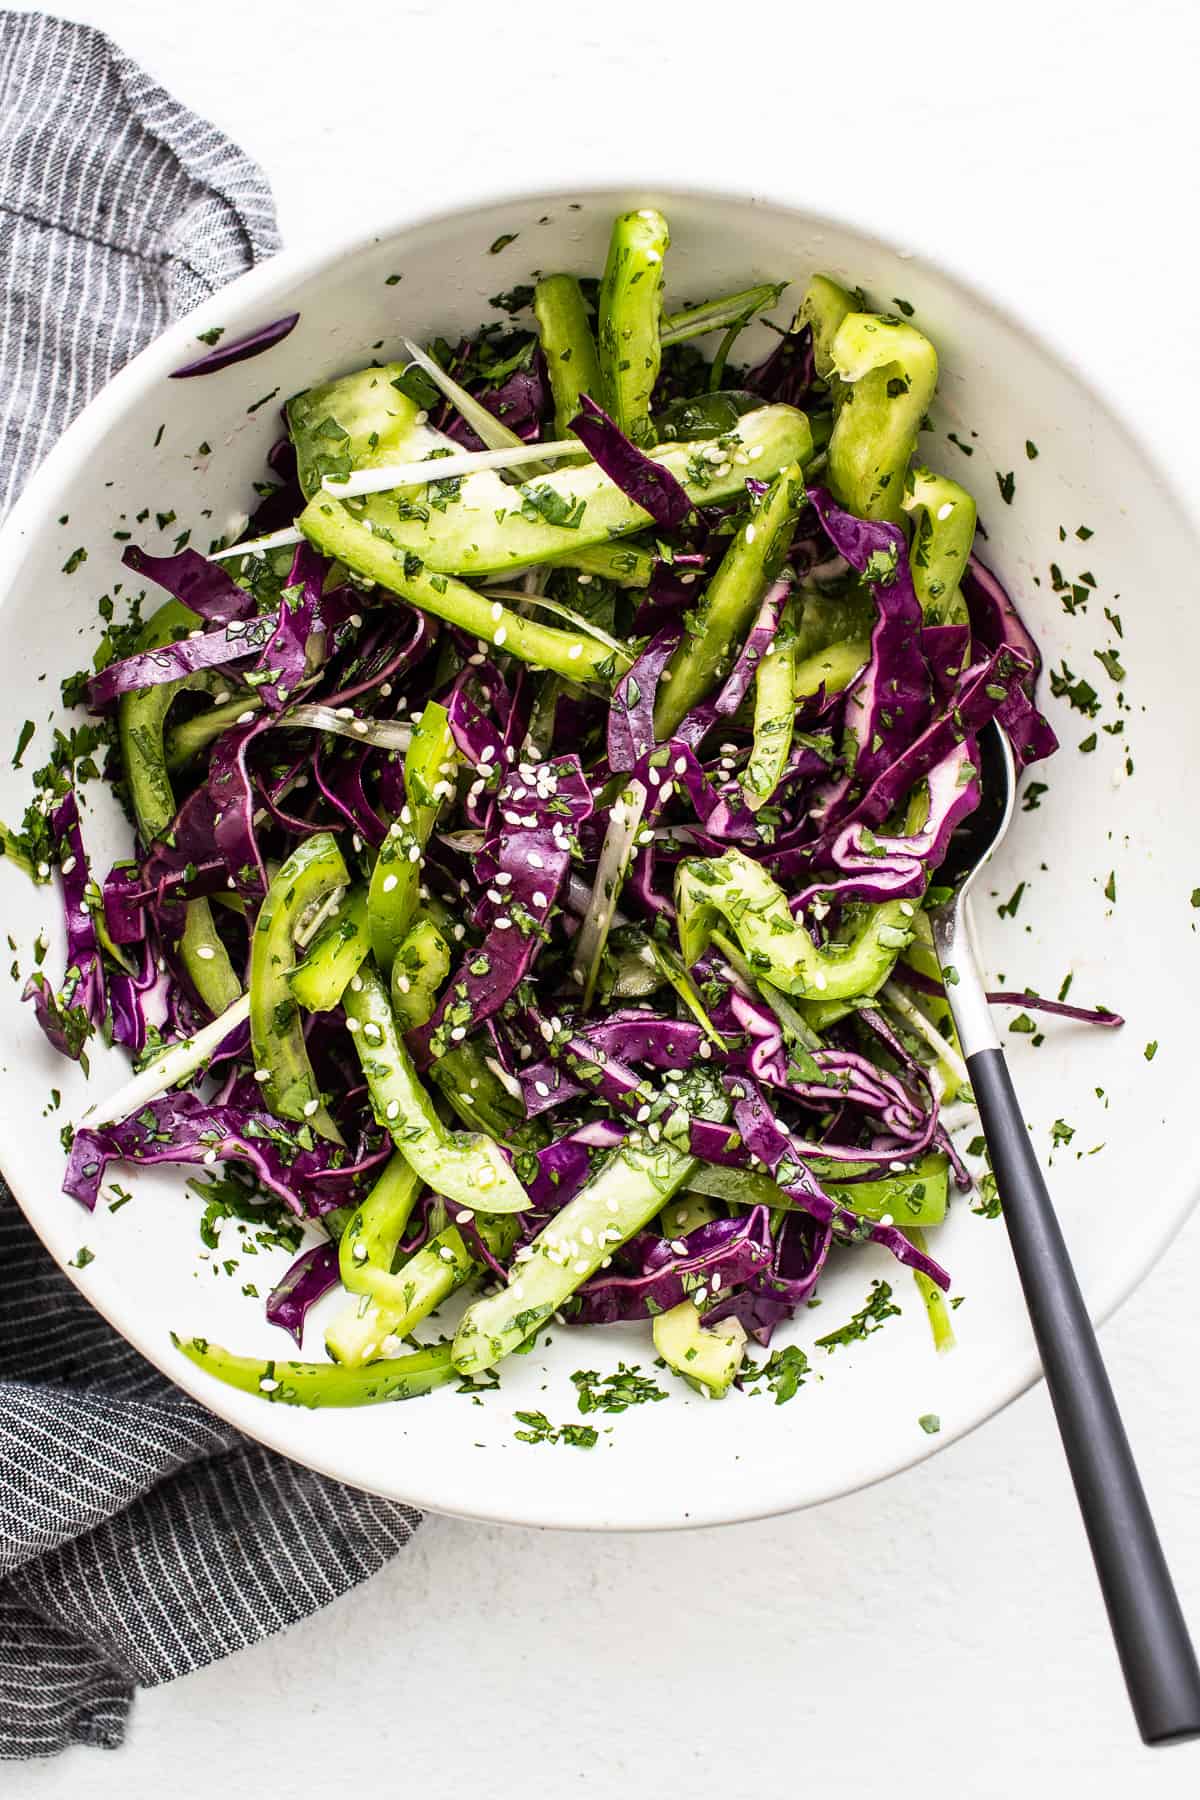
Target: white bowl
{"x": 684, "y": 1461}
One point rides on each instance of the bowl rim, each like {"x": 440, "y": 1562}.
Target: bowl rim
{"x": 277, "y": 277}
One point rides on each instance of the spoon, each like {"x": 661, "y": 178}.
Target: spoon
{"x": 1157, "y": 1658}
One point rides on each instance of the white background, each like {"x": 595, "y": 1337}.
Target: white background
{"x": 941, "y": 1632}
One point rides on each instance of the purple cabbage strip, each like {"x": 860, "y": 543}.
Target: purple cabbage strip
{"x": 531, "y": 860}
{"x": 651, "y": 1274}
{"x": 231, "y": 793}
{"x": 768, "y": 1299}
{"x": 764, "y": 1138}
{"x": 1082, "y": 1015}
{"x": 998, "y": 625}
{"x": 890, "y": 702}
{"x": 285, "y": 655}
{"x": 239, "y": 349}
{"x": 521, "y": 402}
{"x": 174, "y": 662}
{"x": 647, "y": 483}
{"x": 201, "y": 585}
{"x": 68, "y": 1016}
{"x": 308, "y": 1280}
{"x": 869, "y": 867}
{"x": 180, "y": 1128}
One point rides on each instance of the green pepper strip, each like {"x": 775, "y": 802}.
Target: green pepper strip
{"x": 833, "y": 668}
{"x": 322, "y": 1384}
{"x": 737, "y": 888}
{"x": 913, "y": 1197}
{"x": 943, "y": 516}
{"x": 630, "y": 317}
{"x": 890, "y": 371}
{"x": 419, "y": 972}
{"x": 334, "y": 955}
{"x": 468, "y": 1168}
{"x": 190, "y": 736}
{"x": 438, "y": 1269}
{"x": 429, "y": 766}
{"x": 369, "y": 1241}
{"x": 622, "y": 1197}
{"x": 141, "y": 719}
{"x": 568, "y": 346}
{"x": 312, "y": 873}
{"x": 489, "y": 526}
{"x": 774, "y": 715}
{"x": 734, "y": 595}
{"x": 476, "y": 1093}
{"x": 824, "y": 306}
{"x": 626, "y": 565}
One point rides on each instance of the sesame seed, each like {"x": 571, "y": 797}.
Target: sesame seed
{"x": 458, "y": 1033}
{"x": 574, "y": 651}
{"x": 497, "y": 611}
{"x": 446, "y": 1254}
{"x": 343, "y": 712}
{"x": 886, "y": 1219}
{"x": 500, "y": 636}
{"x": 581, "y": 1267}
{"x": 311, "y": 1107}
{"x": 246, "y": 718}
{"x": 267, "y": 1384}
{"x": 210, "y": 1157}
{"x": 751, "y": 533}
{"x": 205, "y": 952}
{"x": 356, "y": 620}
{"x": 390, "y": 882}
{"x": 359, "y": 1253}
{"x": 262, "y": 1074}
{"x": 542, "y": 1088}
{"x": 503, "y": 878}
{"x": 539, "y": 899}
{"x": 360, "y": 726}
{"x": 392, "y": 1109}
{"x": 414, "y": 853}
{"x": 463, "y": 1218}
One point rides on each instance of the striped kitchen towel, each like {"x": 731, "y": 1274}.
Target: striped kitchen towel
{"x": 140, "y": 1537}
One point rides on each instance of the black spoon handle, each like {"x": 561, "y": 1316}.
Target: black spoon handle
{"x": 1147, "y": 1622}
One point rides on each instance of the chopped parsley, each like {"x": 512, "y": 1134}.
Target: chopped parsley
{"x": 930, "y": 1424}
{"x": 1151, "y": 1050}
{"x": 784, "y": 1372}
{"x": 502, "y": 242}
{"x": 866, "y": 1321}
{"x": 615, "y": 1393}
{"x": 1007, "y": 485}
{"x": 1031, "y": 449}
{"x": 539, "y": 1430}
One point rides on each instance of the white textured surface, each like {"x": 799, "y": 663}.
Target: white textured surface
{"x": 942, "y": 1630}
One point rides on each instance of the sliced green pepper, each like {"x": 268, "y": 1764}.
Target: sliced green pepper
{"x": 486, "y": 525}
{"x": 635, "y": 1182}
{"x": 312, "y": 873}
{"x": 568, "y": 346}
{"x": 732, "y": 598}
{"x": 419, "y": 973}
{"x": 368, "y": 1244}
{"x": 333, "y": 956}
{"x": 890, "y": 374}
{"x": 912, "y": 1197}
{"x": 824, "y": 306}
{"x": 707, "y": 1356}
{"x": 943, "y": 516}
{"x": 630, "y": 318}
{"x": 468, "y": 1168}
{"x": 737, "y": 888}
{"x": 429, "y": 766}
{"x": 322, "y": 1384}
{"x": 141, "y": 720}
{"x": 359, "y": 421}
{"x": 774, "y": 715}
{"x": 443, "y": 1265}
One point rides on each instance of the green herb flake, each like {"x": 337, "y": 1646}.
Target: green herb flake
{"x": 930, "y": 1424}
{"x": 26, "y": 732}
{"x": 82, "y": 1257}
{"x": 1031, "y": 449}
{"x": 1007, "y": 485}
{"x": 1110, "y": 886}
{"x": 502, "y": 242}
{"x": 785, "y": 1372}
{"x": 866, "y": 1321}
{"x": 1151, "y": 1050}
{"x": 212, "y": 336}
{"x": 74, "y": 560}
